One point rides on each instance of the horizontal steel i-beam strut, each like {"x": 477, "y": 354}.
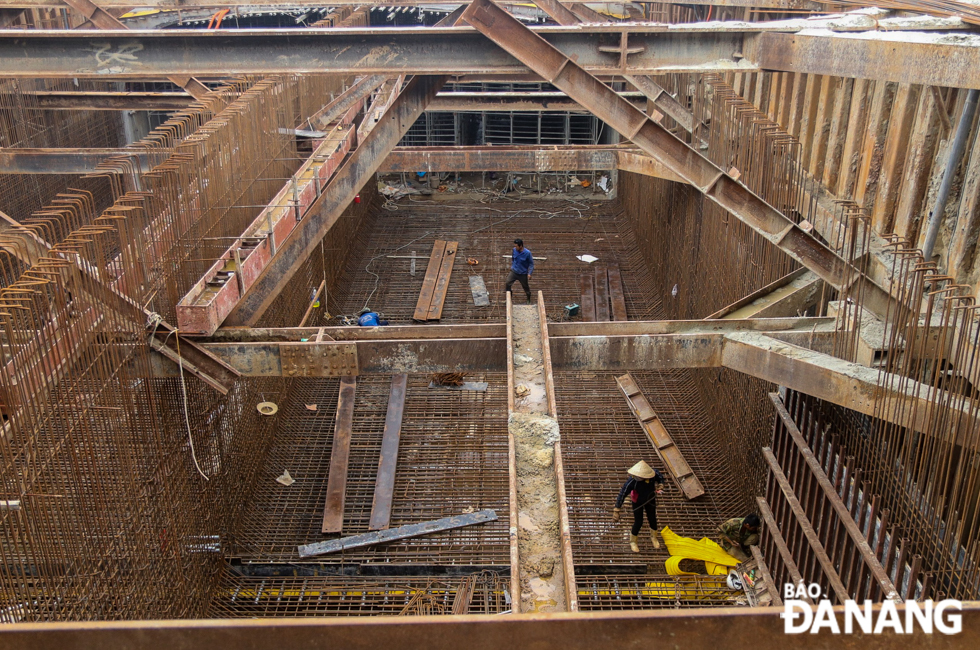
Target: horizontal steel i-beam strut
{"x": 893, "y": 56}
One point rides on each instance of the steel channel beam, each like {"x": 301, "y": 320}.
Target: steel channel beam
{"x": 65, "y": 161}
{"x": 899, "y": 57}
{"x": 373, "y": 356}
{"x": 847, "y": 384}
{"x": 338, "y": 194}
{"x": 460, "y": 51}
{"x": 390, "y": 51}
{"x": 699, "y": 629}
{"x": 505, "y": 158}
{"x": 51, "y": 100}
{"x": 717, "y": 186}
{"x": 515, "y": 101}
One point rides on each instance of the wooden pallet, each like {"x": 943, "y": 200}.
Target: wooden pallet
{"x": 436, "y": 282}
{"x": 671, "y": 456}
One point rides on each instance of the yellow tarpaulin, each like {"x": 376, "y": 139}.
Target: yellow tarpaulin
{"x": 702, "y": 549}
{"x": 674, "y": 569}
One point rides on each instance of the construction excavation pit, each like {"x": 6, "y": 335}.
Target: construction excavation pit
{"x": 369, "y": 356}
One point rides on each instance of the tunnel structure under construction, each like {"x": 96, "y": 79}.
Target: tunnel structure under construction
{"x": 259, "y": 360}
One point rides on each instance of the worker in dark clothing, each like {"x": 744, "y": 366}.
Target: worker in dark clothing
{"x": 521, "y": 268}
{"x": 642, "y": 486}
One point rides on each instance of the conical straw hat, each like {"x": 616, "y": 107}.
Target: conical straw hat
{"x": 642, "y": 470}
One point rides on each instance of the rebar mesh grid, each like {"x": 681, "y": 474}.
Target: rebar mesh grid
{"x": 124, "y": 486}
{"x": 452, "y": 457}
{"x": 239, "y": 596}
{"x": 601, "y": 439}
{"x": 557, "y": 231}
{"x": 616, "y": 592}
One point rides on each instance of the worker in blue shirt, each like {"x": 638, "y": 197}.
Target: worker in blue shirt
{"x": 521, "y": 268}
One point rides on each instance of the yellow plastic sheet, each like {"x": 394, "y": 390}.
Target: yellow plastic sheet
{"x": 673, "y": 567}
{"x": 702, "y": 549}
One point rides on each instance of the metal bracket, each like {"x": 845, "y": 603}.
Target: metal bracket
{"x": 326, "y": 359}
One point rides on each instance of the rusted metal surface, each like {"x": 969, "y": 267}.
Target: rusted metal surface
{"x": 381, "y": 505}
{"x": 80, "y": 100}
{"x": 514, "y": 101}
{"x": 318, "y": 359}
{"x": 350, "y": 98}
{"x": 357, "y": 333}
{"x": 267, "y": 4}
{"x": 769, "y": 302}
{"x": 700, "y": 630}
{"x": 601, "y": 293}
{"x": 780, "y": 557}
{"x": 567, "y": 559}
{"x": 390, "y": 51}
{"x": 218, "y": 292}
{"x": 616, "y": 299}
{"x": 717, "y": 186}
{"x": 333, "y": 509}
{"x": 851, "y": 385}
{"x": 392, "y": 534}
{"x": 335, "y": 198}
{"x": 903, "y": 58}
{"x": 502, "y": 158}
{"x": 66, "y": 161}
{"x": 102, "y": 19}
{"x": 588, "y": 298}
{"x": 515, "y": 560}
{"x": 664, "y": 445}
{"x": 372, "y": 356}
{"x": 788, "y": 506}
{"x": 558, "y": 11}
{"x": 813, "y": 503}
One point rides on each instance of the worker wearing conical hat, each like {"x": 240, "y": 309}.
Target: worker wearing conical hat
{"x": 642, "y": 486}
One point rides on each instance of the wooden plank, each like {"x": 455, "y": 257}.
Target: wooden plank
{"x": 588, "y": 299}
{"x": 429, "y": 282}
{"x": 663, "y": 444}
{"x": 385, "y": 483}
{"x": 616, "y": 295}
{"x": 333, "y": 509}
{"x": 442, "y": 284}
{"x": 601, "y": 294}
{"x": 392, "y": 534}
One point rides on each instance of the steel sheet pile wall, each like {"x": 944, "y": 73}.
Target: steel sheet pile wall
{"x": 106, "y": 514}
{"x": 885, "y": 146}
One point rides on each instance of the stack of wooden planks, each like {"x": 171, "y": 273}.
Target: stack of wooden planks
{"x": 602, "y": 294}
{"x": 436, "y": 282}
